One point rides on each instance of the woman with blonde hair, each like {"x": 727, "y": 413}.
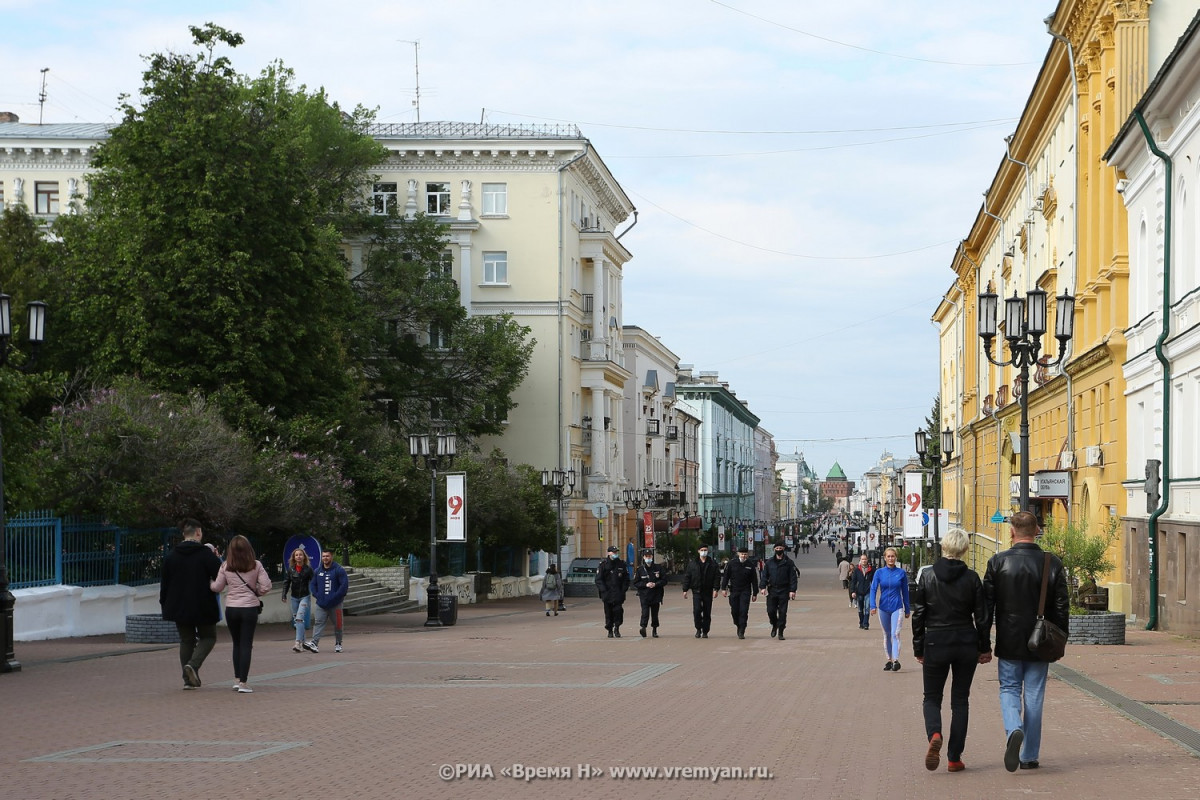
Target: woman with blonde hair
{"x": 950, "y": 635}
{"x": 244, "y": 580}
{"x": 889, "y": 597}
{"x": 299, "y": 574}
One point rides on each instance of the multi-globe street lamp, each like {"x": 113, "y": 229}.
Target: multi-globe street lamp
{"x": 943, "y": 460}
{"x": 432, "y": 450}
{"x": 1024, "y": 326}
{"x": 35, "y": 333}
{"x": 638, "y": 499}
{"x": 557, "y": 484}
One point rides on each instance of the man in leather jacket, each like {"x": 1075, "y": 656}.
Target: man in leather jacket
{"x": 950, "y": 635}
{"x": 702, "y": 578}
{"x": 1013, "y": 583}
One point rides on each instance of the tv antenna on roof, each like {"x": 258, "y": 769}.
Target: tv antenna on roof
{"x": 42, "y": 95}
{"x": 417, "y": 70}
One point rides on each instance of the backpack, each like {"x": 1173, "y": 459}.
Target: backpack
{"x": 551, "y": 581}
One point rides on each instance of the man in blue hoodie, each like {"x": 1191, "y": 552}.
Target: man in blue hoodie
{"x": 328, "y": 589}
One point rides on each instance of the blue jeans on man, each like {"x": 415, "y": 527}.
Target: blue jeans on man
{"x": 1022, "y": 692}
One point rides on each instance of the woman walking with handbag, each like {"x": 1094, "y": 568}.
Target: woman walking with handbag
{"x": 245, "y": 581}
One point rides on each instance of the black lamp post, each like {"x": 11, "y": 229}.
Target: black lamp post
{"x": 942, "y": 460}
{"x": 638, "y": 499}
{"x": 558, "y": 483}
{"x": 36, "y": 333}
{"x": 444, "y": 446}
{"x": 1024, "y": 326}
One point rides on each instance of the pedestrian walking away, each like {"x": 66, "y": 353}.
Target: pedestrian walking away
{"x": 740, "y": 584}
{"x": 244, "y": 581}
{"x": 779, "y": 581}
{"x": 295, "y": 582}
{"x": 860, "y": 589}
{"x": 889, "y": 597}
{"x": 1013, "y": 584}
{"x": 612, "y": 579}
{"x": 950, "y": 636}
{"x": 650, "y": 580}
{"x": 186, "y": 599}
{"x": 329, "y": 586}
{"x": 702, "y": 578}
{"x": 845, "y": 567}
{"x": 552, "y": 589}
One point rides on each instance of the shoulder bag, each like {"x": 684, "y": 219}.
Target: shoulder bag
{"x": 260, "y": 602}
{"x": 1048, "y": 642}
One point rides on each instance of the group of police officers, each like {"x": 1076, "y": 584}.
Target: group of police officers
{"x": 741, "y": 580}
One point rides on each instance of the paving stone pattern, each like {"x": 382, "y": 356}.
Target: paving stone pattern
{"x": 550, "y": 700}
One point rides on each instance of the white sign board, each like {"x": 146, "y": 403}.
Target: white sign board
{"x": 456, "y": 507}
{"x": 913, "y": 500}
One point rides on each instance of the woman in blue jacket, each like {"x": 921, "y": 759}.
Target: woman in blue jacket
{"x": 889, "y": 596}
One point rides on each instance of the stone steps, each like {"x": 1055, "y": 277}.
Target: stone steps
{"x": 368, "y": 596}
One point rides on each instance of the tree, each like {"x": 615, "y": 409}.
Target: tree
{"x": 211, "y": 245}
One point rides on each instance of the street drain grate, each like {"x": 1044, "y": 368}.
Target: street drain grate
{"x": 1138, "y": 712}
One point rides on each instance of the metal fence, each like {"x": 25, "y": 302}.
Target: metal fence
{"x": 46, "y": 550}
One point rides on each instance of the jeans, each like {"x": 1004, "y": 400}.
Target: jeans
{"x": 300, "y": 607}
{"x": 321, "y": 617}
{"x": 891, "y": 622}
{"x": 864, "y": 613}
{"x": 940, "y": 661}
{"x": 1022, "y": 692}
{"x": 242, "y": 622}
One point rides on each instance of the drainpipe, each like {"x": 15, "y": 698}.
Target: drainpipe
{"x": 562, "y": 272}
{"x": 1165, "y": 500}
{"x": 627, "y": 230}
{"x": 1074, "y": 243}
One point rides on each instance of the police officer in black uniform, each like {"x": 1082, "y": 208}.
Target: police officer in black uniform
{"x": 702, "y": 578}
{"x": 740, "y": 585}
{"x": 612, "y": 579}
{"x": 649, "y": 579}
{"x": 779, "y": 579}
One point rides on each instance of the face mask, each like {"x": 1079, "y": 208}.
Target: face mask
{"x": 779, "y": 554}
{"x": 704, "y": 554}
{"x": 648, "y": 559}
{"x": 612, "y": 555}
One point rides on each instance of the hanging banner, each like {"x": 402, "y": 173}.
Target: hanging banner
{"x": 648, "y": 530}
{"x": 721, "y": 538}
{"x": 913, "y": 500}
{"x": 456, "y": 507}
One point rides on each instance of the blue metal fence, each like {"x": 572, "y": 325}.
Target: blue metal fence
{"x": 46, "y": 550}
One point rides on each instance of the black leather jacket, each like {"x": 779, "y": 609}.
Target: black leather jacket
{"x": 1012, "y": 584}
{"x": 950, "y": 608}
{"x": 702, "y": 576}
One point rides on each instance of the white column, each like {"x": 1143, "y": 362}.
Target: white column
{"x": 599, "y": 437}
{"x": 465, "y": 270}
{"x": 600, "y": 310}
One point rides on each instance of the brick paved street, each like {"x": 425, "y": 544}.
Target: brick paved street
{"x": 91, "y": 718}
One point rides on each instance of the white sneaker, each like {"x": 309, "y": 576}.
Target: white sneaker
{"x": 237, "y": 685}
{"x": 296, "y": 648}
{"x": 337, "y": 648}
{"x": 311, "y": 647}
{"x": 245, "y": 690}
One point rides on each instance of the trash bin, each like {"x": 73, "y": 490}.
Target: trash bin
{"x": 448, "y": 609}
{"x": 482, "y": 585}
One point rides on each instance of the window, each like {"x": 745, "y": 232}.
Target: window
{"x": 495, "y": 268}
{"x": 384, "y": 197}
{"x": 46, "y": 197}
{"x": 495, "y": 198}
{"x": 1, "y": 195}
{"x": 444, "y": 268}
{"x": 437, "y": 199}
{"x": 439, "y": 337}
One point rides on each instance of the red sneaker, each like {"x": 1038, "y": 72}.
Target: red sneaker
{"x": 931, "y": 755}
{"x": 955, "y": 766}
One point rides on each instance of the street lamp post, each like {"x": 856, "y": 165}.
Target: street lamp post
{"x": 1024, "y": 326}
{"x": 942, "y": 460}
{"x": 444, "y": 446}
{"x": 558, "y": 483}
{"x": 638, "y": 499}
{"x": 35, "y": 334}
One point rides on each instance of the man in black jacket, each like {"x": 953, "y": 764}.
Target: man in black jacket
{"x": 860, "y": 590}
{"x": 740, "y": 585}
{"x": 649, "y": 579}
{"x": 187, "y": 600}
{"x": 1013, "y": 584}
{"x": 702, "y": 578}
{"x": 779, "y": 579}
{"x": 612, "y": 579}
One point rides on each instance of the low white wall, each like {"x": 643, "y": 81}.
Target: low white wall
{"x": 464, "y": 588}
{"x": 57, "y": 612}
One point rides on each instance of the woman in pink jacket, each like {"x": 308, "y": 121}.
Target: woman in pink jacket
{"x": 244, "y": 581}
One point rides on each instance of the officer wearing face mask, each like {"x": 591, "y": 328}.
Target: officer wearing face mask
{"x": 612, "y": 579}
{"x": 649, "y": 579}
{"x": 779, "y": 579}
{"x": 740, "y": 585}
{"x": 702, "y": 578}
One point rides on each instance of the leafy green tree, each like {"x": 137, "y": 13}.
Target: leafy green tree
{"x": 210, "y": 252}
{"x": 1085, "y": 556}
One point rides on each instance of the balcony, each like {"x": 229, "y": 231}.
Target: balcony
{"x": 652, "y": 427}
{"x": 672, "y": 433}
{"x": 588, "y": 303}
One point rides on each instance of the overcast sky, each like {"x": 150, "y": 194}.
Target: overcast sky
{"x": 803, "y": 171}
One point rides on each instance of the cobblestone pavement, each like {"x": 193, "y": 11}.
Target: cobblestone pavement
{"x": 508, "y": 689}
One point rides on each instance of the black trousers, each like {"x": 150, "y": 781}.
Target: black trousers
{"x": 777, "y": 609}
{"x": 242, "y": 622}
{"x": 941, "y": 661}
{"x": 702, "y": 610}
{"x": 650, "y": 612}
{"x": 614, "y": 615}
{"x": 195, "y": 643}
{"x": 739, "y": 607}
